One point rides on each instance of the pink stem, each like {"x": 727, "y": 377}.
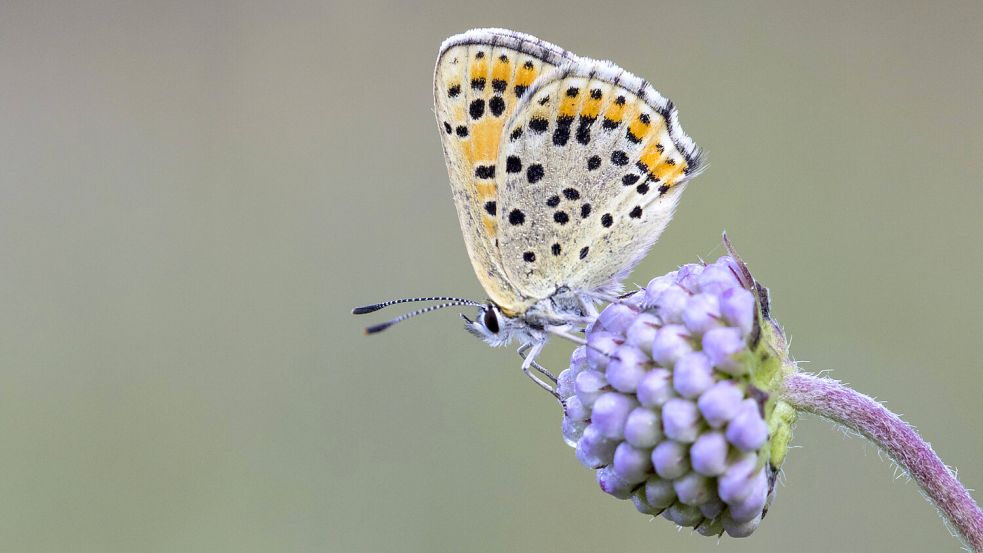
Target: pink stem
{"x": 830, "y": 399}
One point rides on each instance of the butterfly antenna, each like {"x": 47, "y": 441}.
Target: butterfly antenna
{"x": 377, "y": 306}
{"x": 380, "y": 327}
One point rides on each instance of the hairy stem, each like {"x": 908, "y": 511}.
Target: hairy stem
{"x": 831, "y": 399}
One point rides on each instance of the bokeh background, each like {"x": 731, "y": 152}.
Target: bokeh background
{"x": 193, "y": 195}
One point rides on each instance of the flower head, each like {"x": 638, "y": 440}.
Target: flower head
{"x": 673, "y": 399}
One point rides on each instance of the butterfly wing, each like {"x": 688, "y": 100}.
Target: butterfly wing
{"x": 594, "y": 162}
{"x": 480, "y": 77}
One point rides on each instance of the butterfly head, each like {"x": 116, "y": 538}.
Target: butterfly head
{"x": 493, "y": 326}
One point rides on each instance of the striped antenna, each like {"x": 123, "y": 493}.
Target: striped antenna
{"x": 377, "y": 306}
{"x": 380, "y": 327}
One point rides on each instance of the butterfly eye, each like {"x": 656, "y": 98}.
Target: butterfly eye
{"x": 491, "y": 320}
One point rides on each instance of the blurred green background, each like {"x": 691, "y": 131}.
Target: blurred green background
{"x": 193, "y": 195}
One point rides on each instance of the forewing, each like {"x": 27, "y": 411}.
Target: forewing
{"x": 480, "y": 77}
{"x": 594, "y": 162}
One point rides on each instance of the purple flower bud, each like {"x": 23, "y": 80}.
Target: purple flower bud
{"x": 720, "y": 403}
{"x": 683, "y": 515}
{"x": 717, "y": 278}
{"x": 575, "y": 410}
{"x": 655, "y": 388}
{"x": 751, "y": 506}
{"x": 656, "y": 286}
{"x": 632, "y": 464}
{"x": 747, "y": 430}
{"x": 722, "y": 346}
{"x": 572, "y": 430}
{"x": 708, "y": 454}
{"x": 659, "y": 493}
{"x": 737, "y": 307}
{"x": 613, "y": 484}
{"x": 711, "y": 526}
{"x": 681, "y": 420}
{"x": 738, "y": 480}
{"x": 643, "y": 428}
{"x": 670, "y": 460}
{"x": 694, "y": 489}
{"x": 626, "y": 368}
{"x": 688, "y": 276}
{"x": 600, "y": 346}
{"x": 589, "y": 385}
{"x": 594, "y": 450}
{"x": 671, "y": 342}
{"x": 702, "y": 313}
{"x": 610, "y": 414}
{"x": 670, "y": 304}
{"x": 740, "y": 529}
{"x": 636, "y": 300}
{"x": 578, "y": 359}
{"x": 642, "y": 332}
{"x": 713, "y": 507}
{"x": 641, "y": 505}
{"x": 616, "y": 318}
{"x": 692, "y": 374}
{"x": 566, "y": 382}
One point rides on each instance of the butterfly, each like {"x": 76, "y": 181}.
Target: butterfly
{"x": 564, "y": 171}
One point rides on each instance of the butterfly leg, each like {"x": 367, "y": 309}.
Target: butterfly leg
{"x": 528, "y": 353}
{"x": 588, "y": 307}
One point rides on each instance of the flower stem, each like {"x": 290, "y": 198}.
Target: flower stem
{"x": 830, "y": 399}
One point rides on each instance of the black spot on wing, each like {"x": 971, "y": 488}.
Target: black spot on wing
{"x": 484, "y": 171}
{"x": 562, "y": 133}
{"x": 513, "y": 164}
{"x": 477, "y": 108}
{"x": 583, "y": 129}
{"x": 497, "y": 105}
{"x": 538, "y": 124}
